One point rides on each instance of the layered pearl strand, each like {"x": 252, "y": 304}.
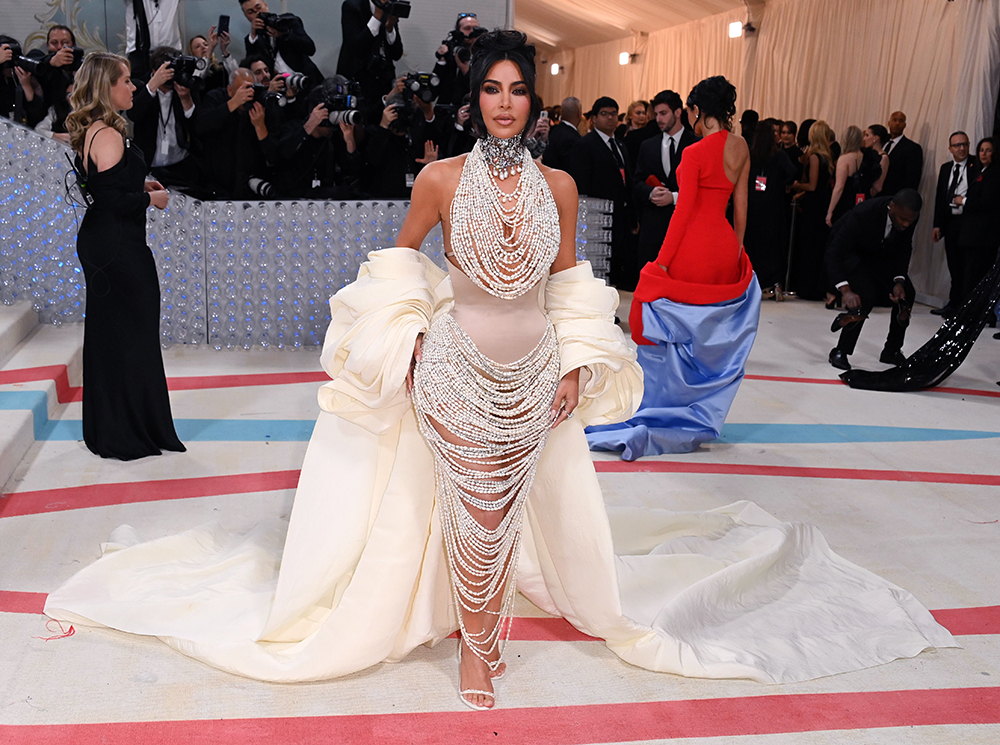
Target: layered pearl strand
{"x": 487, "y": 424}
{"x": 504, "y": 241}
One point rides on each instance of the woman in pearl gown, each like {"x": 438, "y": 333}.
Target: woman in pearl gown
{"x": 449, "y": 468}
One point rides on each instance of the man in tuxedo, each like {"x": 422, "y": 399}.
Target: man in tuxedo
{"x": 953, "y": 181}
{"x": 598, "y": 164}
{"x": 656, "y": 174}
{"x": 285, "y": 49}
{"x": 906, "y": 158}
{"x": 867, "y": 257}
{"x": 164, "y": 113}
{"x": 370, "y": 47}
{"x": 150, "y": 24}
{"x": 564, "y": 135}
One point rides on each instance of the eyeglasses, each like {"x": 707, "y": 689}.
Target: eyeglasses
{"x": 608, "y": 112}
{"x": 960, "y": 145}
{"x": 466, "y": 15}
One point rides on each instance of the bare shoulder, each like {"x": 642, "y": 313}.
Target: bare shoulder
{"x": 106, "y": 148}
{"x": 561, "y": 183}
{"x": 737, "y": 147}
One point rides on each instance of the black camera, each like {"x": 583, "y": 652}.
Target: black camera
{"x": 17, "y": 59}
{"x": 184, "y": 68}
{"x": 424, "y": 85}
{"x": 461, "y": 45}
{"x": 342, "y": 99}
{"x": 263, "y": 95}
{"x": 281, "y": 23}
{"x": 398, "y": 8}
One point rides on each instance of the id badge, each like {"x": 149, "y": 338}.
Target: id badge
{"x": 760, "y": 184}
{"x": 317, "y": 183}
{"x": 164, "y": 147}
{"x": 858, "y": 199}
{"x": 410, "y": 178}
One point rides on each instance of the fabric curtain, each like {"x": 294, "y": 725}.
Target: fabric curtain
{"x": 845, "y": 61}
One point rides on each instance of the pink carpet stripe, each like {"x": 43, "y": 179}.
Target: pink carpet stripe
{"x": 202, "y": 382}
{"x": 102, "y": 495}
{"x": 563, "y": 725}
{"x": 837, "y": 381}
{"x": 749, "y": 469}
{"x": 959, "y": 621}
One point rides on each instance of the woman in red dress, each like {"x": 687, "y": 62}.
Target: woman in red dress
{"x": 696, "y": 307}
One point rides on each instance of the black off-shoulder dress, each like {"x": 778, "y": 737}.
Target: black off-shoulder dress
{"x": 126, "y": 409}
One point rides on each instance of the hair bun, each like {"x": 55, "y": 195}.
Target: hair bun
{"x": 716, "y": 97}
{"x": 501, "y": 41}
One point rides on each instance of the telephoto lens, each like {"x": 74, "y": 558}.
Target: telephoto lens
{"x": 349, "y": 116}
{"x": 296, "y": 80}
{"x": 261, "y": 188}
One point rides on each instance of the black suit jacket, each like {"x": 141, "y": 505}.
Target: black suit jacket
{"x": 981, "y": 223}
{"x": 145, "y": 114}
{"x": 295, "y": 47}
{"x": 562, "y": 137}
{"x": 596, "y": 172}
{"x": 906, "y": 163}
{"x": 857, "y": 239}
{"x": 654, "y": 220}
{"x": 365, "y": 58}
{"x": 942, "y": 204}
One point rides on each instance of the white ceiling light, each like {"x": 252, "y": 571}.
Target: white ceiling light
{"x": 735, "y": 29}
{"x": 555, "y": 68}
{"x": 623, "y": 58}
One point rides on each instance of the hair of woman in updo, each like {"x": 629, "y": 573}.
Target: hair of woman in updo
{"x": 715, "y": 97}
{"x": 497, "y": 46}
{"x": 91, "y": 99}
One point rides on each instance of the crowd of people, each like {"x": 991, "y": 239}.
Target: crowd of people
{"x": 272, "y": 125}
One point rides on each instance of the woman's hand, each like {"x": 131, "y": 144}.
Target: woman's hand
{"x": 829, "y": 219}
{"x": 417, "y": 356}
{"x": 152, "y": 185}
{"x": 159, "y": 198}
{"x": 567, "y": 398}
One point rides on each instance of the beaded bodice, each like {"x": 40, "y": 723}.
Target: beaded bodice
{"x": 505, "y": 243}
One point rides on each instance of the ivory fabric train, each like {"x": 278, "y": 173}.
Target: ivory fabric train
{"x": 362, "y": 578}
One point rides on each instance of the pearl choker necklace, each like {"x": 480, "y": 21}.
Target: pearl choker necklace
{"x": 505, "y": 157}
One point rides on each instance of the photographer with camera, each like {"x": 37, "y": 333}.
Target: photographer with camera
{"x": 234, "y": 137}
{"x": 163, "y": 111}
{"x": 215, "y": 74}
{"x": 453, "y": 58}
{"x": 280, "y": 40}
{"x": 21, "y": 97}
{"x": 461, "y": 136}
{"x": 371, "y": 46}
{"x": 320, "y": 156}
{"x": 57, "y": 68}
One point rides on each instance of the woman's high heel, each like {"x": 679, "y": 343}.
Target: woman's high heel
{"x": 462, "y": 692}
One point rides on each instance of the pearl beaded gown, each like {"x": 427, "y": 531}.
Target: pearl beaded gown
{"x": 363, "y": 570}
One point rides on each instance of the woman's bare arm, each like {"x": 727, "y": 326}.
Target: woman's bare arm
{"x": 568, "y": 203}
{"x": 838, "y": 188}
{"x": 740, "y": 197}
{"x": 425, "y": 205}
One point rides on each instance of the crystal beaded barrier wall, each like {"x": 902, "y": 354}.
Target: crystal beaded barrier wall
{"x": 232, "y": 274}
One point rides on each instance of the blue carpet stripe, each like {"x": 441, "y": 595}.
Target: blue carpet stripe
{"x": 773, "y": 434}
{"x": 207, "y": 430}
{"x": 37, "y": 402}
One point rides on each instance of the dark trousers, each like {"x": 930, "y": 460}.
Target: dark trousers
{"x": 976, "y": 262}
{"x": 953, "y": 255}
{"x": 874, "y": 286}
{"x": 623, "y": 264}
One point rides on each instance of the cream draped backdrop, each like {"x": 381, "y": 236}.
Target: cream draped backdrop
{"x": 845, "y": 61}
{"x": 362, "y": 577}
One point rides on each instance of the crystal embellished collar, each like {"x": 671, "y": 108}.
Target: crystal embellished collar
{"x": 505, "y": 157}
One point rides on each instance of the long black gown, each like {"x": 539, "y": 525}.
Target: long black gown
{"x": 126, "y": 409}
{"x": 808, "y": 260}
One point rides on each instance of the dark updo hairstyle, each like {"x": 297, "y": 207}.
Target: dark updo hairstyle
{"x": 881, "y": 132}
{"x": 497, "y": 46}
{"x": 715, "y": 97}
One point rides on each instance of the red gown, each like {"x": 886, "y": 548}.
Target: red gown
{"x": 704, "y": 262}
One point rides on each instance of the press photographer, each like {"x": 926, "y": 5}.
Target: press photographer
{"x": 21, "y": 97}
{"x": 234, "y": 136}
{"x": 453, "y": 58}
{"x": 280, "y": 40}
{"x": 371, "y": 45}
{"x": 163, "y": 110}
{"x": 320, "y": 159}
{"x": 57, "y": 68}
{"x": 409, "y": 136}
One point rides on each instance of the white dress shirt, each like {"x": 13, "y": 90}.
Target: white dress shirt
{"x": 161, "y": 17}
{"x": 280, "y": 66}
{"x": 374, "y": 24}
{"x": 168, "y": 150}
{"x": 962, "y": 187}
{"x": 668, "y": 167}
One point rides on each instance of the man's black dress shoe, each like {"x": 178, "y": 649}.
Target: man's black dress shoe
{"x": 839, "y": 360}
{"x": 945, "y": 311}
{"x": 996, "y": 335}
{"x": 896, "y": 358}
